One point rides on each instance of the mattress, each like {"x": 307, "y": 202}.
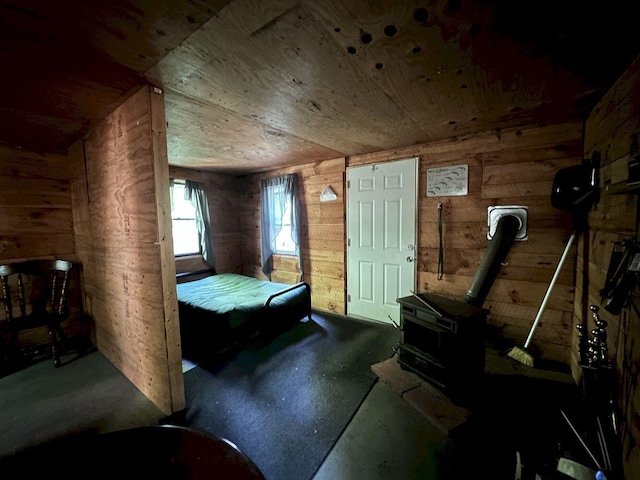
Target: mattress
{"x": 238, "y": 298}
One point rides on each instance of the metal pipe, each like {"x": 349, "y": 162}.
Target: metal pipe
{"x": 582, "y": 442}
{"x": 506, "y": 230}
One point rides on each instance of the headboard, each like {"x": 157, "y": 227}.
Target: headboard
{"x": 183, "y": 277}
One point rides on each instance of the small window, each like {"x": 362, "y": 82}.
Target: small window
{"x": 183, "y": 215}
{"x": 284, "y": 244}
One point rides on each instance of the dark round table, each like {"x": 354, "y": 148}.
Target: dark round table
{"x": 166, "y": 451}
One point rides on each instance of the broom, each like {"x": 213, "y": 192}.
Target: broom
{"x": 521, "y": 354}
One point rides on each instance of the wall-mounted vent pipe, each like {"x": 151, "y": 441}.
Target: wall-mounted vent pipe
{"x": 494, "y": 257}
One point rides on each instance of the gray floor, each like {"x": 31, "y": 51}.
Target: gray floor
{"x": 386, "y": 438}
{"x": 42, "y": 403}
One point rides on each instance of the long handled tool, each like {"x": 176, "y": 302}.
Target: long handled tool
{"x": 521, "y": 354}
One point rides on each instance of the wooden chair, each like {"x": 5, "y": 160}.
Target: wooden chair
{"x": 34, "y": 294}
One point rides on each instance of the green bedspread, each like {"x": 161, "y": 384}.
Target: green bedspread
{"x": 237, "y": 297}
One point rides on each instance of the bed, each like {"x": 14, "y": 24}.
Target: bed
{"x": 218, "y": 310}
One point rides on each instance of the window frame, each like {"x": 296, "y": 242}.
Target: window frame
{"x": 279, "y": 190}
{"x": 182, "y": 183}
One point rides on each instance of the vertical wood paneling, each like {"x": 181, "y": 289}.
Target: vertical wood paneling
{"x": 613, "y": 129}
{"x": 120, "y": 201}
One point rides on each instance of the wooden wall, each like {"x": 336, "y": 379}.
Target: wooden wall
{"x": 122, "y": 222}
{"x": 223, "y": 193}
{"x": 510, "y": 167}
{"x": 514, "y": 166}
{"x": 35, "y": 206}
{"x": 613, "y": 129}
{"x": 323, "y": 250}
{"x": 36, "y": 221}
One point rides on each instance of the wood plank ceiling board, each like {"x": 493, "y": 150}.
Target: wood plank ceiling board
{"x": 286, "y": 72}
{"x": 71, "y": 62}
{"x": 338, "y": 77}
{"x": 205, "y": 136}
{"x": 456, "y": 67}
{"x": 357, "y": 77}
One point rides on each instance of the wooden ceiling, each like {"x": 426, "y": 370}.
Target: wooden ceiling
{"x": 252, "y": 85}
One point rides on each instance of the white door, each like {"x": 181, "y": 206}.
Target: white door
{"x": 381, "y": 238}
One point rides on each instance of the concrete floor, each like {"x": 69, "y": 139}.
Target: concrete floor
{"x": 389, "y": 439}
{"x": 386, "y": 439}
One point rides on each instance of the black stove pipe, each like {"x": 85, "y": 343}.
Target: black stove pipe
{"x": 499, "y": 246}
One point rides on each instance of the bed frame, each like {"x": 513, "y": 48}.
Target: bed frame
{"x": 208, "y": 331}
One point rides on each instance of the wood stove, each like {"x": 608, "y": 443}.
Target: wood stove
{"x": 443, "y": 341}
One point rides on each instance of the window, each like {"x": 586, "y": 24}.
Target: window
{"x": 183, "y": 215}
{"x": 284, "y": 244}
{"x": 279, "y": 220}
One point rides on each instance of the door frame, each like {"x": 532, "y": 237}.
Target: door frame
{"x": 415, "y": 221}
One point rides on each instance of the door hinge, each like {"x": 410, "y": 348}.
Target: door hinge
{"x": 348, "y": 298}
{"x": 348, "y": 242}
{"x": 348, "y": 183}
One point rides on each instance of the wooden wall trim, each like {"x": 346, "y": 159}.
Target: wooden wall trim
{"x": 165, "y": 240}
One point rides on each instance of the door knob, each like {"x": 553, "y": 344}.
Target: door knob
{"x": 410, "y": 259}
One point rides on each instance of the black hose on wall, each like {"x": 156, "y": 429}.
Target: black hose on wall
{"x": 499, "y": 246}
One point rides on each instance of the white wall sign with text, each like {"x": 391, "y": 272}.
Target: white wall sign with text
{"x": 448, "y": 181}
